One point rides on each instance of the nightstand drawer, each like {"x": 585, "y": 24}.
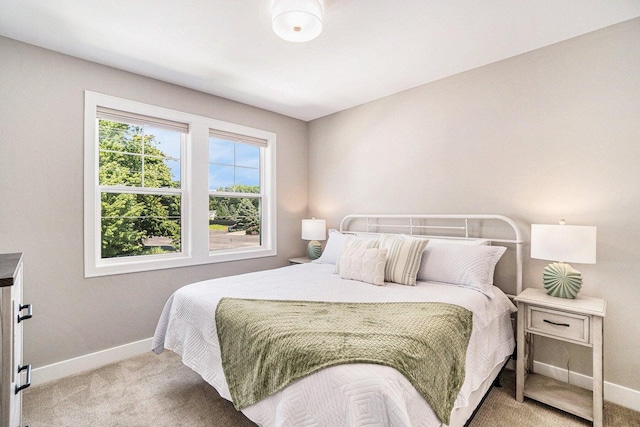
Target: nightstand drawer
{"x": 569, "y": 326}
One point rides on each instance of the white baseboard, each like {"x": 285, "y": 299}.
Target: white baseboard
{"x": 623, "y": 396}
{"x": 614, "y": 393}
{"x": 89, "y": 361}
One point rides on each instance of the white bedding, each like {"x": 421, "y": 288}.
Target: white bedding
{"x": 355, "y": 394}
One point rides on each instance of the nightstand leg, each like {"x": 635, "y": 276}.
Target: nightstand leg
{"x": 528, "y": 360}
{"x": 598, "y": 386}
{"x": 522, "y": 351}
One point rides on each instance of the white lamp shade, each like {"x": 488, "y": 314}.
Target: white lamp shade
{"x": 314, "y": 229}
{"x": 297, "y": 20}
{"x": 565, "y": 243}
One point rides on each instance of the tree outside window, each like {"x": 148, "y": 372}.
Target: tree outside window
{"x": 137, "y": 164}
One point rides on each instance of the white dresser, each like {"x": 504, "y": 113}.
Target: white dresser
{"x": 15, "y": 376}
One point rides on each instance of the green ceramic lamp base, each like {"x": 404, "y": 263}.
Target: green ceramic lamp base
{"x": 561, "y": 280}
{"x": 314, "y": 250}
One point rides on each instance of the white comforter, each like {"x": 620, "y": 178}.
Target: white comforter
{"x": 344, "y": 395}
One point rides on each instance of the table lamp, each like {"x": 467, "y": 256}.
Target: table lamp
{"x": 563, "y": 243}
{"x": 314, "y": 230}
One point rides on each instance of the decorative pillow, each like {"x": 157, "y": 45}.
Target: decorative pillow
{"x": 333, "y": 248}
{"x": 403, "y": 258}
{"x": 354, "y": 242}
{"x": 462, "y": 265}
{"x": 364, "y": 265}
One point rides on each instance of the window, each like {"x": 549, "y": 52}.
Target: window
{"x": 166, "y": 189}
{"x": 235, "y": 193}
{"x": 140, "y": 186}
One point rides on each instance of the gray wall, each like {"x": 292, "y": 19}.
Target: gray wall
{"x": 550, "y": 134}
{"x": 41, "y": 188}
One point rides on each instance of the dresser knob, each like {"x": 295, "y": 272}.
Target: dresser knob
{"x": 29, "y": 314}
{"x": 19, "y": 388}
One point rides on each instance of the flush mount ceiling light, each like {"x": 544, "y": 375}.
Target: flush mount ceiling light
{"x": 297, "y": 20}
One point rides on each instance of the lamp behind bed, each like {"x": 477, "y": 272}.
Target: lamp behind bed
{"x": 314, "y": 230}
{"x": 563, "y": 243}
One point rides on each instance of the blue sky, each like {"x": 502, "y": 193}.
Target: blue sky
{"x": 232, "y": 163}
{"x": 169, "y": 143}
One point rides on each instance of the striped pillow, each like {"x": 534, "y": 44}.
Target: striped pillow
{"x": 354, "y": 242}
{"x": 403, "y": 258}
{"x": 461, "y": 265}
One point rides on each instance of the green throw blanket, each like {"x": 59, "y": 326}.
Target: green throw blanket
{"x": 267, "y": 345}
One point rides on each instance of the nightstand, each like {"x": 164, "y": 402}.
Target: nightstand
{"x": 577, "y": 321}
{"x": 299, "y": 260}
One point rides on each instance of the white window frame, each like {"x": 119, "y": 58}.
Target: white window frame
{"x": 195, "y": 200}
{"x": 262, "y": 195}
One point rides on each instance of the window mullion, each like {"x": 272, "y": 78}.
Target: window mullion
{"x": 231, "y": 194}
{"x": 144, "y": 132}
{"x": 140, "y": 190}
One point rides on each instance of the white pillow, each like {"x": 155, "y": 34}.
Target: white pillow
{"x": 403, "y": 258}
{"x": 333, "y": 248}
{"x": 355, "y": 242}
{"x": 472, "y": 242}
{"x": 462, "y": 265}
{"x": 363, "y": 264}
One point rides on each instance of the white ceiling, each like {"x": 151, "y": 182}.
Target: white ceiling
{"x": 368, "y": 48}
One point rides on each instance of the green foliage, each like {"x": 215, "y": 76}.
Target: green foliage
{"x": 129, "y": 158}
{"x": 247, "y": 214}
{"x": 129, "y": 219}
{"x": 120, "y": 236}
{"x": 244, "y": 211}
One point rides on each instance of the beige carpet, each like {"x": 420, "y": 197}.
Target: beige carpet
{"x": 151, "y": 390}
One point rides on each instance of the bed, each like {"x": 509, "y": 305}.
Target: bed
{"x": 456, "y": 266}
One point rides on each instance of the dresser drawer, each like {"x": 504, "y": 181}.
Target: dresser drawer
{"x": 558, "y": 324}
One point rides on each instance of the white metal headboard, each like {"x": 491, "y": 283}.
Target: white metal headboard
{"x": 456, "y": 227}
